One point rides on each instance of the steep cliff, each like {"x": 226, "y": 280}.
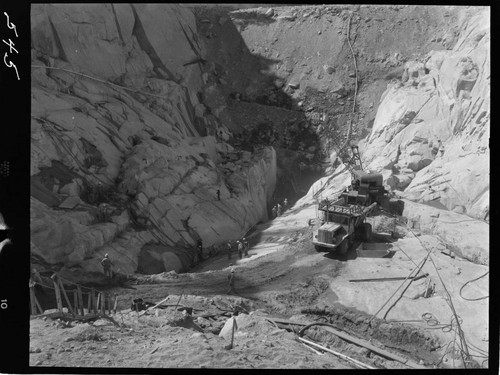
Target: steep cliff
{"x": 430, "y": 140}
{"x": 124, "y": 157}
{"x": 431, "y": 133}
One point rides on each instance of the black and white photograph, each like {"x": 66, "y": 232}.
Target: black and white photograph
{"x": 254, "y": 186}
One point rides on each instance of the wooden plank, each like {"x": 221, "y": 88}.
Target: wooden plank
{"x": 389, "y": 278}
{"x": 360, "y": 342}
{"x": 58, "y": 294}
{"x": 80, "y": 299}
{"x": 110, "y": 303}
{"x": 98, "y": 304}
{"x": 158, "y": 304}
{"x": 89, "y": 301}
{"x": 340, "y": 355}
{"x": 38, "y": 305}
{"x": 75, "y": 302}
{"x": 70, "y": 308}
{"x": 94, "y": 301}
{"x": 103, "y": 303}
{"x": 32, "y": 300}
{"x": 357, "y": 341}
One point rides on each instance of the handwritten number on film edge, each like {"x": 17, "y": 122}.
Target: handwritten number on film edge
{"x": 11, "y": 25}
{"x": 11, "y": 45}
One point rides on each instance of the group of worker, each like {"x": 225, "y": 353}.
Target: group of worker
{"x": 279, "y": 209}
{"x": 242, "y": 247}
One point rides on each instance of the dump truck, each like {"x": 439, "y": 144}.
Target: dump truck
{"x": 341, "y": 223}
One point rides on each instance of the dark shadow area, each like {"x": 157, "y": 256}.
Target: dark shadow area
{"x": 381, "y": 249}
{"x": 260, "y": 107}
{"x": 350, "y": 255}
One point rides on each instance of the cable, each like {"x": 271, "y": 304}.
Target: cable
{"x": 349, "y": 131}
{"x": 470, "y": 281}
{"x": 407, "y": 277}
{"x": 98, "y": 80}
{"x": 464, "y": 352}
{"x": 404, "y": 290}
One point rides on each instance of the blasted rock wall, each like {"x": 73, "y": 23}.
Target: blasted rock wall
{"x": 430, "y": 136}
{"x": 123, "y": 154}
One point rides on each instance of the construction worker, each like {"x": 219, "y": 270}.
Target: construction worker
{"x": 106, "y": 265}
{"x": 228, "y": 246}
{"x": 278, "y": 209}
{"x": 275, "y": 211}
{"x": 285, "y": 204}
{"x": 230, "y": 279}
{"x": 245, "y": 246}
{"x": 240, "y": 249}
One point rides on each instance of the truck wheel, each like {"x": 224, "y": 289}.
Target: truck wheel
{"x": 359, "y": 233}
{"x": 367, "y": 231}
{"x": 343, "y": 247}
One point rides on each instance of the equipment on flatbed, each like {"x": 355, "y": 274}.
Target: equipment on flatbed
{"x": 342, "y": 222}
{"x": 365, "y": 187}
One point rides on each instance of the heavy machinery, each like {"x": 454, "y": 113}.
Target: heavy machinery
{"x": 344, "y": 219}
{"x": 365, "y": 187}
{"x": 341, "y": 223}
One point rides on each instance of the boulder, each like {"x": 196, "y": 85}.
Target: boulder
{"x": 72, "y": 189}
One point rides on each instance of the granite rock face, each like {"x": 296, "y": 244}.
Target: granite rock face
{"x": 124, "y": 158}
{"x": 430, "y": 137}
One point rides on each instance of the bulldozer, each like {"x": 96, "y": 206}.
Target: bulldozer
{"x": 341, "y": 224}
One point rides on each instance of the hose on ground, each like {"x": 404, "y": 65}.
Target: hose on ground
{"x": 470, "y": 281}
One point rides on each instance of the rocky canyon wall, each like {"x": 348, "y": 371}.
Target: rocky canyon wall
{"x": 142, "y": 112}
{"x": 125, "y": 159}
{"x": 430, "y": 139}
{"x": 431, "y": 133}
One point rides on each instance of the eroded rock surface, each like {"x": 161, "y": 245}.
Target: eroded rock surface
{"x": 430, "y": 137}
{"x": 124, "y": 158}
{"x": 141, "y": 113}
